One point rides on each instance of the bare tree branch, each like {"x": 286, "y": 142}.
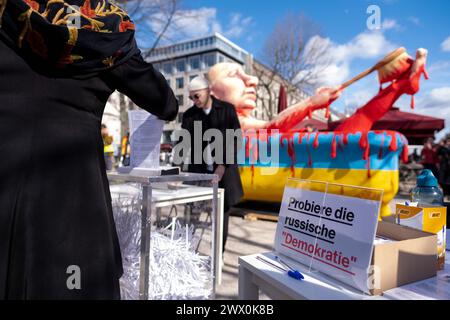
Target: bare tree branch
{"x": 294, "y": 51}
{"x": 153, "y": 19}
{"x": 295, "y": 57}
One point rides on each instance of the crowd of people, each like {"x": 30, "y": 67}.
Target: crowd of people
{"x": 436, "y": 157}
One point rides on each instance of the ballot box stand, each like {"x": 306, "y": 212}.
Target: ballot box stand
{"x": 147, "y": 183}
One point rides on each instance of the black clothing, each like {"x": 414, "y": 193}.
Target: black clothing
{"x": 55, "y": 203}
{"x": 222, "y": 117}
{"x": 444, "y": 169}
{"x": 76, "y": 37}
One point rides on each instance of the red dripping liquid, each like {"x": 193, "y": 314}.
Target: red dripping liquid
{"x": 316, "y": 141}
{"x": 333, "y": 147}
{"x": 393, "y": 146}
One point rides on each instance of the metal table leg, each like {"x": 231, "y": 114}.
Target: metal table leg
{"x": 215, "y": 240}
{"x": 145, "y": 241}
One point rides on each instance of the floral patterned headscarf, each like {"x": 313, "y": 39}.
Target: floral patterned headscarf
{"x": 74, "y": 36}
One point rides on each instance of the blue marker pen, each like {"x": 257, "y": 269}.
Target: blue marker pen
{"x": 292, "y": 272}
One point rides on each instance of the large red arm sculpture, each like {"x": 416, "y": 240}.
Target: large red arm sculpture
{"x": 230, "y": 83}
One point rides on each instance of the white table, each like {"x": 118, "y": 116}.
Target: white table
{"x": 255, "y": 275}
{"x": 155, "y": 197}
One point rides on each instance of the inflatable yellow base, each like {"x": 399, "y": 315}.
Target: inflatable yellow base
{"x": 259, "y": 186}
{"x": 369, "y": 160}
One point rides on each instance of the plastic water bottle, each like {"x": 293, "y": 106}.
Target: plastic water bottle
{"x": 427, "y": 192}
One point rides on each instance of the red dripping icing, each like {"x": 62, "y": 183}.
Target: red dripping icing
{"x": 291, "y": 150}
{"x": 300, "y": 137}
{"x": 316, "y": 141}
{"x": 413, "y": 102}
{"x": 247, "y": 148}
{"x": 333, "y": 147}
{"x": 345, "y": 139}
{"x": 364, "y": 144}
{"x": 393, "y": 145}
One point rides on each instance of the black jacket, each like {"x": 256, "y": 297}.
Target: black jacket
{"x": 222, "y": 117}
{"x": 55, "y": 204}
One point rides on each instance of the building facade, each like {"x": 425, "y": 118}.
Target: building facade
{"x": 181, "y": 62}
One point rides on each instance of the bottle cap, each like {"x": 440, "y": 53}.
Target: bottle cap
{"x": 427, "y": 179}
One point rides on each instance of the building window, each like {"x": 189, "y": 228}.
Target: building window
{"x": 180, "y": 83}
{"x": 167, "y": 68}
{"x": 180, "y": 99}
{"x": 195, "y": 63}
{"x": 181, "y": 66}
{"x": 210, "y": 60}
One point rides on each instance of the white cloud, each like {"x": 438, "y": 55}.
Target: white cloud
{"x": 446, "y": 45}
{"x": 390, "y": 24}
{"x": 438, "y": 97}
{"x": 190, "y": 23}
{"x": 237, "y": 25}
{"x": 436, "y": 103}
{"x": 439, "y": 66}
{"x": 200, "y": 22}
{"x": 366, "y": 46}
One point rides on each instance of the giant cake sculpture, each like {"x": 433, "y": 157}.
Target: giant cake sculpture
{"x": 352, "y": 154}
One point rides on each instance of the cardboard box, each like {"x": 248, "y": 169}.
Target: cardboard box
{"x": 411, "y": 257}
{"x": 433, "y": 220}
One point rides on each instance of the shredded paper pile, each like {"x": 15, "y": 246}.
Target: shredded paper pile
{"x": 177, "y": 272}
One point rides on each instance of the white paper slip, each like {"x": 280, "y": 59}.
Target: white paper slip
{"x": 145, "y": 139}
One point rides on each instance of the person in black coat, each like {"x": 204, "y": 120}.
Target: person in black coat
{"x": 212, "y": 113}
{"x": 57, "y": 234}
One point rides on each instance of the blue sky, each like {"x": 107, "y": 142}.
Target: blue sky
{"x": 411, "y": 24}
